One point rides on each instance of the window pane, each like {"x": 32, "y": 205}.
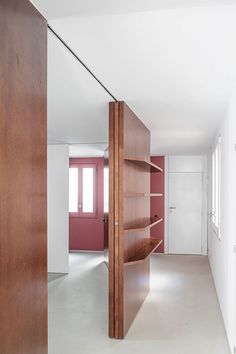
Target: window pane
{"x": 73, "y": 190}
{"x": 106, "y": 189}
{"x": 218, "y": 181}
{"x": 88, "y": 191}
{"x": 217, "y": 186}
{"x": 213, "y": 186}
{"x": 216, "y": 178}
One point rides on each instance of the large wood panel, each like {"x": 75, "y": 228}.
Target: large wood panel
{"x": 129, "y": 217}
{"x": 23, "y": 132}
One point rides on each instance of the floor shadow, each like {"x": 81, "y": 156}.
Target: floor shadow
{"x": 55, "y": 276}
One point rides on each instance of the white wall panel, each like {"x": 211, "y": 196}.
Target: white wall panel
{"x": 58, "y": 206}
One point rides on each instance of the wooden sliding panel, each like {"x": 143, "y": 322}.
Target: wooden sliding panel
{"x": 136, "y": 212}
{"x": 115, "y": 242}
{"x": 129, "y": 217}
{"x": 23, "y": 132}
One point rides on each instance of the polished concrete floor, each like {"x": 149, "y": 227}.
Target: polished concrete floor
{"x": 180, "y": 316}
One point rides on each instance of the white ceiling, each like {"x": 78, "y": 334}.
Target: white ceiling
{"x": 77, "y": 104}
{"x": 87, "y": 150}
{"x": 175, "y": 68}
{"x": 60, "y": 8}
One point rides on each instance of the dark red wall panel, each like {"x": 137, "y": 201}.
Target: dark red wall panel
{"x": 158, "y": 203}
{"x": 88, "y": 233}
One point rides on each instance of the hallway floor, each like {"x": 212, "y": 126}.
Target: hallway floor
{"x": 180, "y": 316}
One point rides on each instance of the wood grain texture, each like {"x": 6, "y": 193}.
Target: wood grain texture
{"x": 111, "y": 222}
{"x": 140, "y": 194}
{"x": 142, "y": 224}
{"x": 129, "y": 217}
{"x": 135, "y": 212}
{"x": 144, "y": 163}
{"x": 116, "y": 259}
{"x": 23, "y": 179}
{"x": 147, "y": 247}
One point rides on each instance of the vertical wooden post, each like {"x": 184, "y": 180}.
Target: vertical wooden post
{"x": 23, "y": 179}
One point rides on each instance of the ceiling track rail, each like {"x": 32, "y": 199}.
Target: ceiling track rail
{"x": 81, "y": 62}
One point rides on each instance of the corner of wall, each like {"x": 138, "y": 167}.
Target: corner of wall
{"x": 58, "y": 207}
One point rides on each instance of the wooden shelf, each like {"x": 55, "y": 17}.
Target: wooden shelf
{"x": 145, "y": 163}
{"x": 126, "y": 195}
{"x": 147, "y": 224}
{"x": 149, "y": 246}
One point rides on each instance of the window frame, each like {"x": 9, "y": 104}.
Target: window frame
{"x": 80, "y": 213}
{"x": 216, "y": 188}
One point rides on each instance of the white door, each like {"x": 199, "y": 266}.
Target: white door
{"x": 185, "y": 213}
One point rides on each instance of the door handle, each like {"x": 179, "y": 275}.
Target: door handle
{"x": 212, "y": 214}
{"x": 171, "y": 208}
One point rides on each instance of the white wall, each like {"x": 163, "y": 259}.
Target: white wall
{"x": 58, "y": 206}
{"x": 175, "y": 164}
{"x": 221, "y": 251}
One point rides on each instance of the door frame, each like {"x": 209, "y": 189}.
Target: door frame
{"x": 98, "y": 164}
{"x": 204, "y": 233}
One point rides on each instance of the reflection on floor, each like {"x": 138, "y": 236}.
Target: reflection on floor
{"x": 180, "y": 316}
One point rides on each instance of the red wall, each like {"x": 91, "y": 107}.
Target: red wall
{"x": 158, "y": 203}
{"x": 88, "y": 233}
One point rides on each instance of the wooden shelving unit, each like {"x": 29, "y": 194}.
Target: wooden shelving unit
{"x": 142, "y": 226}
{"x": 133, "y": 194}
{"x": 145, "y": 163}
{"x": 148, "y": 247}
{"x": 130, "y": 243}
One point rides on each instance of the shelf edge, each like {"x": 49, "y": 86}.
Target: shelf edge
{"x": 144, "y": 259}
{"x": 145, "y": 161}
{"x": 143, "y": 228}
